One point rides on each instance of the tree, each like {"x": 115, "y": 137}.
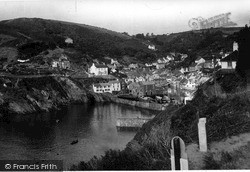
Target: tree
{"x": 140, "y": 36}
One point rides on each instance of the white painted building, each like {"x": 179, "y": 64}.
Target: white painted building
{"x": 98, "y": 69}
{"x": 107, "y": 87}
{"x": 200, "y": 60}
{"x": 140, "y": 79}
{"x": 69, "y": 41}
{"x": 151, "y": 47}
{"x": 235, "y": 46}
{"x": 115, "y": 85}
{"x": 191, "y": 85}
{"x": 229, "y": 62}
{"x": 102, "y": 88}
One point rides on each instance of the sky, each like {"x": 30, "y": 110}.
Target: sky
{"x": 132, "y": 16}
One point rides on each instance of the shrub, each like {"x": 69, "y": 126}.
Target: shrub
{"x": 151, "y": 157}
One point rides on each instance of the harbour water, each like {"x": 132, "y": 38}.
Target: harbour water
{"x": 48, "y": 136}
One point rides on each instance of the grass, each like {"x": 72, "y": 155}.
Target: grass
{"x": 223, "y": 160}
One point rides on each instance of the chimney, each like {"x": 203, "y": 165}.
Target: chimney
{"x": 235, "y": 46}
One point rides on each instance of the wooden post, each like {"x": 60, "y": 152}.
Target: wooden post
{"x": 202, "y": 134}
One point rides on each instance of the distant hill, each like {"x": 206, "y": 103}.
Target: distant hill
{"x": 198, "y": 42}
{"x": 34, "y": 35}
{"x": 31, "y": 36}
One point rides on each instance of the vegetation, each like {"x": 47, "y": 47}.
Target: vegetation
{"x": 236, "y": 159}
{"x": 150, "y": 157}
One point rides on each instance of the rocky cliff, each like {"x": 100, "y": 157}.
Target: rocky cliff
{"x": 28, "y": 95}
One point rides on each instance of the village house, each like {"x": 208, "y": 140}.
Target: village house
{"x": 98, "y": 69}
{"x": 129, "y": 79}
{"x": 135, "y": 89}
{"x": 140, "y": 79}
{"x": 131, "y": 76}
{"x": 170, "y": 57}
{"x": 112, "y": 68}
{"x": 148, "y": 88}
{"x": 114, "y": 62}
{"x": 115, "y": 85}
{"x": 209, "y": 64}
{"x": 160, "y": 65}
{"x": 151, "y": 47}
{"x": 148, "y": 64}
{"x": 183, "y": 82}
{"x": 229, "y": 62}
{"x": 62, "y": 62}
{"x": 217, "y": 62}
{"x": 102, "y": 88}
{"x": 69, "y": 41}
{"x": 141, "y": 89}
{"x": 162, "y": 60}
{"x": 160, "y": 90}
{"x": 193, "y": 67}
{"x": 124, "y": 86}
{"x": 189, "y": 95}
{"x": 133, "y": 66}
{"x": 235, "y": 46}
{"x": 184, "y": 69}
{"x": 107, "y": 87}
{"x": 190, "y": 85}
{"x": 200, "y": 60}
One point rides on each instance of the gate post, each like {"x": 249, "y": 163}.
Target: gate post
{"x": 178, "y": 154}
{"x": 202, "y": 134}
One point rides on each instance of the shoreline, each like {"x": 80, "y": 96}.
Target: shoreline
{"x": 34, "y": 95}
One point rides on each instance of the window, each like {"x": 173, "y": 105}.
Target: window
{"x": 229, "y": 64}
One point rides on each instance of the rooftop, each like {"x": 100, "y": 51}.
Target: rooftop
{"x": 231, "y": 57}
{"x": 100, "y": 66}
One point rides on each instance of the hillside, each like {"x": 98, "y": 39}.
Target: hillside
{"x": 31, "y": 36}
{"x": 205, "y": 43}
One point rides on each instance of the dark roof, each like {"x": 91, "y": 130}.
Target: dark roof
{"x": 231, "y": 57}
{"x": 199, "y": 58}
{"x": 100, "y": 66}
{"x": 193, "y": 65}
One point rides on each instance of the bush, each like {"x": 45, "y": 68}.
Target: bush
{"x": 151, "y": 157}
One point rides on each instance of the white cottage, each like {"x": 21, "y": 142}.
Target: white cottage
{"x": 98, "y": 69}
{"x": 107, "y": 87}
{"x": 200, "y": 60}
{"x": 229, "y": 62}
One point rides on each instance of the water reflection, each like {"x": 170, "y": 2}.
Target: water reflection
{"x": 48, "y": 135}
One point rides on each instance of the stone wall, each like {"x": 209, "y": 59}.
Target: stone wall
{"x": 145, "y": 105}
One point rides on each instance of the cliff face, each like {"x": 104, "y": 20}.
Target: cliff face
{"x": 27, "y": 95}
